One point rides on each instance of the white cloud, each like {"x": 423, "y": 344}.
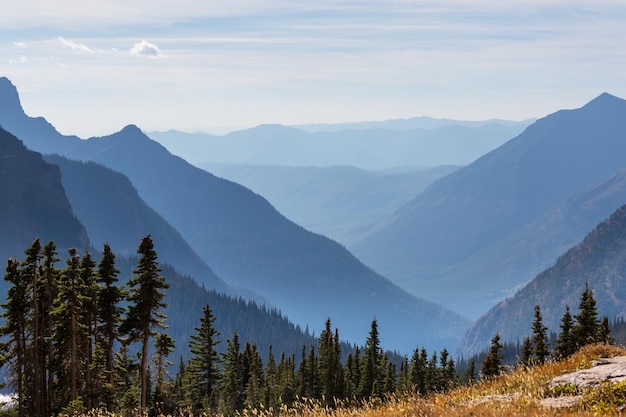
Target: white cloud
{"x": 20, "y": 44}
{"x": 145, "y": 48}
{"x": 76, "y": 46}
{"x": 21, "y": 60}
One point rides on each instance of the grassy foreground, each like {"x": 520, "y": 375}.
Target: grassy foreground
{"x": 518, "y": 393}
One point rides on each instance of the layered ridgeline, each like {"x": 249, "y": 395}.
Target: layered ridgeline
{"x": 599, "y": 261}
{"x": 368, "y": 146}
{"x": 112, "y": 211}
{"x": 250, "y": 245}
{"x": 472, "y": 238}
{"x": 32, "y": 201}
{"x": 337, "y": 202}
{"x": 33, "y": 204}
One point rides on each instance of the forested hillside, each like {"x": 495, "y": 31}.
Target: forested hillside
{"x": 598, "y": 261}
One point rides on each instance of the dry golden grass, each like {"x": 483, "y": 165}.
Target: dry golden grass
{"x": 518, "y": 393}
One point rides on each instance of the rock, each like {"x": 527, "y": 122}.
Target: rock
{"x": 613, "y": 370}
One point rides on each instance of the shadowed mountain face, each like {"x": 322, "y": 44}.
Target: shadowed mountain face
{"x": 248, "y": 243}
{"x": 110, "y": 208}
{"x": 430, "y": 245}
{"x": 599, "y": 260}
{"x": 33, "y": 202}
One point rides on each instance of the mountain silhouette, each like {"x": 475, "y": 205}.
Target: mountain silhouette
{"x": 428, "y": 245}
{"x": 251, "y": 245}
{"x": 112, "y": 211}
{"x": 33, "y": 202}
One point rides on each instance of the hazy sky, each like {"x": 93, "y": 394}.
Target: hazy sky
{"x": 91, "y": 67}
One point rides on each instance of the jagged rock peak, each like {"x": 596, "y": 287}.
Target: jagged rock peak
{"x": 9, "y": 97}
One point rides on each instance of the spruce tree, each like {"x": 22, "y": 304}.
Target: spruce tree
{"x": 203, "y": 368}
{"x": 232, "y": 378}
{"x": 565, "y": 343}
{"x": 14, "y": 331}
{"x": 492, "y": 365}
{"x": 604, "y": 332}
{"x": 586, "y": 327}
{"x": 371, "y": 380}
{"x": 469, "y": 376}
{"x": 527, "y": 352}
{"x": 329, "y": 365}
{"x": 540, "y": 342}
{"x": 163, "y": 346}
{"x": 145, "y": 309}
{"x": 109, "y": 317}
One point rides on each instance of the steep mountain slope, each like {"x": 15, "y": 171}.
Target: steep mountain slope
{"x": 337, "y": 202}
{"x": 33, "y": 202}
{"x": 249, "y": 244}
{"x": 599, "y": 260}
{"x": 110, "y": 208}
{"x": 482, "y": 205}
{"x": 364, "y": 148}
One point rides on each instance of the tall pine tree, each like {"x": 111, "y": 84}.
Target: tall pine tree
{"x": 145, "y": 310}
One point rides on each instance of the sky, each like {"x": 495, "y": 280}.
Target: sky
{"x": 92, "y": 67}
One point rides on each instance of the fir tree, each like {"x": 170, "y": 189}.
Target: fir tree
{"x": 232, "y": 378}
{"x": 202, "y": 371}
{"x": 371, "y": 381}
{"x": 329, "y": 365}
{"x": 527, "y": 352}
{"x": 565, "y": 343}
{"x": 109, "y": 317}
{"x": 540, "y": 338}
{"x": 144, "y": 312}
{"x": 586, "y": 327}
{"x": 469, "y": 376}
{"x": 604, "y": 332}
{"x": 492, "y": 365}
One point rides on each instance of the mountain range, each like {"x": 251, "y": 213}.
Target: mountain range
{"x": 598, "y": 261}
{"x": 246, "y": 242}
{"x": 479, "y": 234}
{"x": 337, "y": 202}
{"x": 446, "y": 143}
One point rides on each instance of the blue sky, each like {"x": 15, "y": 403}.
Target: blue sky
{"x": 91, "y": 67}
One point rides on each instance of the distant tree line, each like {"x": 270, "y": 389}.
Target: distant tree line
{"x": 70, "y": 335}
{"x": 576, "y": 331}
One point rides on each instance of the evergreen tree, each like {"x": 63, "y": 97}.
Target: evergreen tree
{"x": 254, "y": 384}
{"x": 109, "y": 317}
{"x": 586, "y": 327}
{"x": 540, "y": 342}
{"x": 419, "y": 362}
{"x": 144, "y": 312}
{"x": 232, "y": 378}
{"x": 14, "y": 329}
{"x": 604, "y": 332}
{"x": 163, "y": 346}
{"x": 202, "y": 371}
{"x": 470, "y": 373}
{"x": 492, "y": 365}
{"x": 527, "y": 352}
{"x": 371, "y": 380}
{"x": 330, "y": 374}
{"x": 565, "y": 343}
{"x": 48, "y": 293}
{"x": 69, "y": 331}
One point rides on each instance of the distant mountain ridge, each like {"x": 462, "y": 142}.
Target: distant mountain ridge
{"x": 33, "y": 202}
{"x": 112, "y": 211}
{"x": 249, "y": 244}
{"x": 372, "y": 149}
{"x": 337, "y": 202}
{"x": 427, "y": 246}
{"x": 599, "y": 261}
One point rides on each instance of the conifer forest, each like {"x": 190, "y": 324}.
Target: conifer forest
{"x": 75, "y": 339}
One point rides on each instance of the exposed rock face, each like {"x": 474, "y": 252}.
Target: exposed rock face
{"x": 604, "y": 370}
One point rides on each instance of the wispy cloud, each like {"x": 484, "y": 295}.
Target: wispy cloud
{"x": 145, "y": 48}
{"x": 21, "y": 60}
{"x": 20, "y": 44}
{"x": 76, "y": 46}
